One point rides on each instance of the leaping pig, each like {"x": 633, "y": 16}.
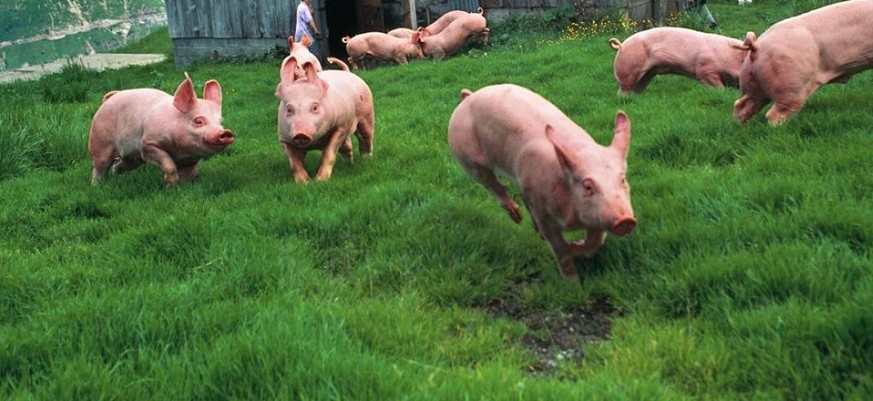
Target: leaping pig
{"x": 567, "y": 180}
{"x": 175, "y": 132}
{"x": 795, "y": 56}
{"x": 300, "y": 51}
{"x": 709, "y": 58}
{"x": 322, "y": 111}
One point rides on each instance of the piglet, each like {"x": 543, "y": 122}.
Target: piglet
{"x": 322, "y": 111}
{"x": 382, "y": 46}
{"x": 175, "y": 132}
{"x": 712, "y": 59}
{"x": 567, "y": 181}
{"x": 454, "y": 36}
{"x": 797, "y": 55}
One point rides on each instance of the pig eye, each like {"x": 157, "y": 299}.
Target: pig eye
{"x": 289, "y": 110}
{"x": 198, "y": 122}
{"x": 588, "y": 188}
{"x": 314, "y": 108}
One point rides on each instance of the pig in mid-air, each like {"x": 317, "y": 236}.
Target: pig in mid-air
{"x": 567, "y": 181}
{"x": 175, "y": 132}
{"x": 795, "y": 56}
{"x": 712, "y": 59}
{"x": 322, "y": 111}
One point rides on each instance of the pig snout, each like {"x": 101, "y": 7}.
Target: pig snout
{"x": 223, "y": 138}
{"x": 301, "y": 139}
{"x": 623, "y": 226}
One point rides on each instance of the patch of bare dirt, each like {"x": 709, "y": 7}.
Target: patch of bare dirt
{"x": 555, "y": 338}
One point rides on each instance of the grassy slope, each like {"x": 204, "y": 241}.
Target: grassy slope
{"x": 749, "y": 275}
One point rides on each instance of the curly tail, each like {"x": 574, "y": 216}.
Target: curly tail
{"x": 751, "y": 41}
{"x": 107, "y": 96}
{"x": 481, "y": 11}
{"x": 339, "y": 63}
{"x": 465, "y": 93}
{"x": 345, "y": 39}
{"x": 615, "y": 44}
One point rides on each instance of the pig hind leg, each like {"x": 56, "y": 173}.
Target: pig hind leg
{"x": 102, "y": 160}
{"x": 364, "y": 132}
{"x": 486, "y": 177}
{"x": 346, "y": 149}
{"x": 125, "y": 164}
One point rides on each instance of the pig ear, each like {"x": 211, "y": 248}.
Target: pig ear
{"x": 566, "y": 162}
{"x": 312, "y": 75}
{"x": 622, "y": 136}
{"x": 289, "y": 66}
{"x": 290, "y": 42}
{"x": 185, "y": 97}
{"x": 306, "y": 41}
{"x": 212, "y": 91}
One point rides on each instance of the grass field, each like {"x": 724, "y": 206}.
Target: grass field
{"x": 749, "y": 275}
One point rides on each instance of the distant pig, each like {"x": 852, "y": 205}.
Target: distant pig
{"x": 444, "y": 20}
{"x": 567, "y": 181}
{"x": 797, "y": 55}
{"x": 300, "y": 51}
{"x": 709, "y": 58}
{"x": 139, "y": 126}
{"x": 454, "y": 36}
{"x": 382, "y": 46}
{"x": 322, "y": 111}
{"x": 402, "y": 33}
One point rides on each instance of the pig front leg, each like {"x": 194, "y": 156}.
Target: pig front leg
{"x": 589, "y": 246}
{"x": 153, "y": 154}
{"x": 328, "y": 156}
{"x": 295, "y": 159}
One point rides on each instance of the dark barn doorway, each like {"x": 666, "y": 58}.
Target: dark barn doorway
{"x": 341, "y": 21}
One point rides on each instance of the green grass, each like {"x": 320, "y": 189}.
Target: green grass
{"x": 749, "y": 276}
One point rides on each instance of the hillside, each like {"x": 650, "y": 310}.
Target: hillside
{"x": 35, "y": 32}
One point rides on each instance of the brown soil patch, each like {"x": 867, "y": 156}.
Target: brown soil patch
{"x": 555, "y": 338}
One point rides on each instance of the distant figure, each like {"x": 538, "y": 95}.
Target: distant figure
{"x": 700, "y": 7}
{"x": 306, "y": 25}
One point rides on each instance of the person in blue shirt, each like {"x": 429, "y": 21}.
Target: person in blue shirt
{"x": 306, "y": 25}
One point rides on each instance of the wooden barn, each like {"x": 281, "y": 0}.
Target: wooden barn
{"x": 250, "y": 28}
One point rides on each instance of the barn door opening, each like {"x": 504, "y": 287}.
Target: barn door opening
{"x": 341, "y": 21}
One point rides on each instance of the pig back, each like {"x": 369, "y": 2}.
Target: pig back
{"x": 124, "y": 116}
{"x": 500, "y": 125}
{"x": 839, "y": 35}
{"x": 348, "y": 94}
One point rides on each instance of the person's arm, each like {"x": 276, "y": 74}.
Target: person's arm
{"x": 314, "y": 28}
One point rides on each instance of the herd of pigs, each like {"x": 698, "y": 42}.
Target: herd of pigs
{"x": 566, "y": 180}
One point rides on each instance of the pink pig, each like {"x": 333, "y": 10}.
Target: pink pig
{"x": 382, "y": 46}
{"x": 711, "y": 59}
{"x": 402, "y": 33}
{"x": 300, "y": 51}
{"x": 322, "y": 111}
{"x": 444, "y": 20}
{"x": 567, "y": 181}
{"x": 797, "y": 55}
{"x": 139, "y": 126}
{"x": 451, "y": 39}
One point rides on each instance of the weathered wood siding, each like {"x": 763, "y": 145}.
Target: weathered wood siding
{"x": 228, "y": 28}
